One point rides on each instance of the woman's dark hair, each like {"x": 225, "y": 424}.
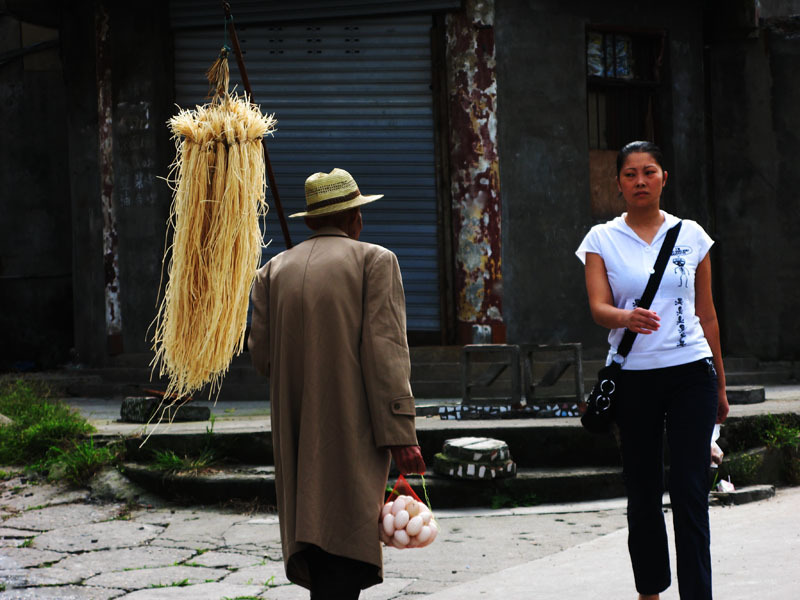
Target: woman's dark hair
{"x": 647, "y": 147}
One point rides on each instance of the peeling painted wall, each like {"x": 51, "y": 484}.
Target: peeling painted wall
{"x": 113, "y": 310}
{"x": 475, "y": 180}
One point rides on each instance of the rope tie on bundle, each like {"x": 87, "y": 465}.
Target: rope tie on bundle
{"x": 218, "y": 207}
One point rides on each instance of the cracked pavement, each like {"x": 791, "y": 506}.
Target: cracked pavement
{"x": 64, "y": 544}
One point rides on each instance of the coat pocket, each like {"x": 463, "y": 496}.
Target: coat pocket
{"x": 404, "y": 406}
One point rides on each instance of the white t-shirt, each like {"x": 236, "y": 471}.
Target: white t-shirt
{"x": 629, "y": 261}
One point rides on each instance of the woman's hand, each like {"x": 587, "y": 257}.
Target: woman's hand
{"x": 643, "y": 321}
{"x": 601, "y": 302}
{"x": 722, "y": 407}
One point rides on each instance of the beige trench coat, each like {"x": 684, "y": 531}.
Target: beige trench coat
{"x": 329, "y": 330}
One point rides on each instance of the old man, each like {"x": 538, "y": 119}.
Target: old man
{"x": 329, "y": 330}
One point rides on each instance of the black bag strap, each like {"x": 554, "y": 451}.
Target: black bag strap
{"x": 652, "y": 284}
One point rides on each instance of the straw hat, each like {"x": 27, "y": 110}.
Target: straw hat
{"x": 328, "y": 193}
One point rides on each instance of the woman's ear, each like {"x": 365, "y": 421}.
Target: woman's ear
{"x": 664, "y": 183}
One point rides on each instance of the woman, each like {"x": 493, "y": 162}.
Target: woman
{"x": 673, "y": 374}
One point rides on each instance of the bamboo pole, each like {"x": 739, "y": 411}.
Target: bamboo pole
{"x": 243, "y": 72}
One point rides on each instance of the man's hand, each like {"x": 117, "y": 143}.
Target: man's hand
{"x": 408, "y": 459}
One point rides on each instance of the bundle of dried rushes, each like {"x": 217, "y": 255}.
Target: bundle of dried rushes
{"x": 217, "y": 209}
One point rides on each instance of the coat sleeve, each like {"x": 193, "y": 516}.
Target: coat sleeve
{"x": 258, "y": 340}
{"x": 384, "y": 354}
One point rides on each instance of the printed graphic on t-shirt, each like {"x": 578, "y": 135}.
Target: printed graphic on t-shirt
{"x": 678, "y": 252}
{"x": 681, "y": 323}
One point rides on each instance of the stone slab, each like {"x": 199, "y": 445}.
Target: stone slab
{"x": 63, "y": 515}
{"x": 231, "y": 560}
{"x": 12, "y": 533}
{"x": 201, "y": 529}
{"x": 23, "y": 558}
{"x": 20, "y": 578}
{"x": 267, "y": 575}
{"x": 105, "y": 561}
{"x": 251, "y": 531}
{"x": 67, "y": 592}
{"x": 204, "y": 591}
{"x": 13, "y": 498}
{"x": 97, "y": 536}
{"x": 161, "y": 577}
{"x": 111, "y": 485}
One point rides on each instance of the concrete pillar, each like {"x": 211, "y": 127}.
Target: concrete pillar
{"x": 475, "y": 180}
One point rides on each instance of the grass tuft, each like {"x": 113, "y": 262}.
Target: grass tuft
{"x": 40, "y": 423}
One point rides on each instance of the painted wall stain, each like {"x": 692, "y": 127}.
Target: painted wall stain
{"x": 475, "y": 181}
{"x": 113, "y": 311}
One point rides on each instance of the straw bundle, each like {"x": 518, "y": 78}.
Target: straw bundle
{"x": 218, "y": 204}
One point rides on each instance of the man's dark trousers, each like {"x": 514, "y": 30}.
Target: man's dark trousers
{"x": 335, "y": 577}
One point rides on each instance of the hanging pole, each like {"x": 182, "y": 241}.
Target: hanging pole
{"x": 243, "y": 72}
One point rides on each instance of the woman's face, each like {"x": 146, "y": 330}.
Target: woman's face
{"x": 641, "y": 180}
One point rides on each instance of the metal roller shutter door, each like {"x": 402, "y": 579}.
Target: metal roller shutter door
{"x": 354, "y": 94}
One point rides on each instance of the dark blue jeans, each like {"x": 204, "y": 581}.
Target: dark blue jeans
{"x": 684, "y": 398}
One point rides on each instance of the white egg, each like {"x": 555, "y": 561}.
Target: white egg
{"x": 383, "y": 537}
{"x": 388, "y": 524}
{"x": 424, "y": 534}
{"x": 400, "y": 520}
{"x": 414, "y": 525}
{"x": 434, "y": 529}
{"x": 401, "y": 537}
{"x": 425, "y": 515}
{"x": 398, "y": 505}
{"x": 387, "y": 508}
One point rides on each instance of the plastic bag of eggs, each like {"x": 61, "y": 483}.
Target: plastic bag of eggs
{"x": 407, "y": 523}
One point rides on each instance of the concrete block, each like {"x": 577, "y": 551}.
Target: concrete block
{"x": 461, "y": 469}
{"x": 751, "y": 493}
{"x": 746, "y": 394}
{"x": 477, "y": 449}
{"x": 141, "y": 410}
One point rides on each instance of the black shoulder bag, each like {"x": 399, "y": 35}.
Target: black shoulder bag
{"x": 599, "y": 414}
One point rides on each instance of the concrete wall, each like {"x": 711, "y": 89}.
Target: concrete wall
{"x": 143, "y": 101}
{"x": 137, "y": 50}
{"x": 35, "y": 236}
{"x": 755, "y": 98}
{"x": 544, "y": 153}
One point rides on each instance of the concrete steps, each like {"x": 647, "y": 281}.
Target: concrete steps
{"x": 435, "y": 373}
{"x": 530, "y": 486}
{"x": 557, "y": 460}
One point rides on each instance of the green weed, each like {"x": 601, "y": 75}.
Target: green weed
{"x": 181, "y": 583}
{"x": 169, "y": 462}
{"x": 506, "y": 501}
{"x": 78, "y": 464}
{"x": 40, "y": 423}
{"x": 777, "y": 433}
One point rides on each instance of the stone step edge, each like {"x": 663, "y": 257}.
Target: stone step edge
{"x": 530, "y": 486}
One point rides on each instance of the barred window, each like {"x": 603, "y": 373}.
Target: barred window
{"x": 623, "y": 71}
